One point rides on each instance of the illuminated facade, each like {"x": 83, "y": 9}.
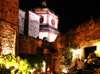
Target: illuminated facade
{"x": 21, "y": 21}
{"x": 48, "y": 24}
{"x": 9, "y": 30}
{"x": 87, "y": 39}
{"x": 33, "y": 24}
{"x": 41, "y": 23}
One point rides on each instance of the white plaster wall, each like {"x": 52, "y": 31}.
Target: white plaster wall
{"x": 43, "y": 34}
{"x": 52, "y": 37}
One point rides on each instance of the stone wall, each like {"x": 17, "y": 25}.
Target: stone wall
{"x": 9, "y": 30}
{"x": 87, "y": 35}
{"x": 86, "y": 32}
{"x": 7, "y": 37}
{"x": 28, "y": 45}
{"x": 9, "y": 11}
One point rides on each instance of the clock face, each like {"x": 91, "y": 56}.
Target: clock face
{"x": 53, "y": 22}
{"x": 41, "y": 20}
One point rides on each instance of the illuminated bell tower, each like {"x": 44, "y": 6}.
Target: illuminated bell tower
{"x": 48, "y": 24}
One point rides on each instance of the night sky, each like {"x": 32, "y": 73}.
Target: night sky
{"x": 71, "y": 13}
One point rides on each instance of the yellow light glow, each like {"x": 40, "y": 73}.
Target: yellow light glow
{"x": 48, "y": 69}
{"x": 21, "y": 62}
{"x": 21, "y": 65}
{"x": 15, "y": 65}
{"x": 85, "y": 60}
{"x": 7, "y": 66}
{"x": 23, "y": 73}
{"x": 64, "y": 70}
{"x": 1, "y": 62}
{"x": 32, "y": 70}
{"x": 97, "y": 52}
{"x": 43, "y": 66}
{"x": 12, "y": 71}
{"x": 76, "y": 53}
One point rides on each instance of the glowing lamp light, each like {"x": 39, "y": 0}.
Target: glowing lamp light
{"x": 44, "y": 66}
{"x": 32, "y": 70}
{"x": 7, "y": 66}
{"x": 64, "y": 70}
{"x": 48, "y": 69}
{"x": 12, "y": 71}
{"x": 5, "y": 52}
{"x": 95, "y": 52}
{"x": 23, "y": 72}
{"x": 77, "y": 51}
{"x": 1, "y": 62}
{"x": 15, "y": 65}
{"x": 21, "y": 62}
{"x": 85, "y": 60}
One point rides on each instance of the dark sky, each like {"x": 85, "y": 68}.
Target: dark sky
{"x": 71, "y": 13}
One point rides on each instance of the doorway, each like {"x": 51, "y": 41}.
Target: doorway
{"x": 89, "y": 50}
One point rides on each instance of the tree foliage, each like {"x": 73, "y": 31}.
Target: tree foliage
{"x": 9, "y": 64}
{"x": 67, "y": 56}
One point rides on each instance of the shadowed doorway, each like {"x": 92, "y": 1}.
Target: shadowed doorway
{"x": 89, "y": 50}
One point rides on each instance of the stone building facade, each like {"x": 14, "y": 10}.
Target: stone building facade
{"x": 10, "y": 39}
{"x": 87, "y": 35}
{"x": 9, "y": 30}
{"x": 9, "y": 11}
{"x": 28, "y": 45}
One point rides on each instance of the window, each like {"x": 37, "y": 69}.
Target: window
{"x": 53, "y": 22}
{"x": 41, "y": 20}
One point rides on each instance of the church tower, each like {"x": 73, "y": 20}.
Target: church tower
{"x": 48, "y": 24}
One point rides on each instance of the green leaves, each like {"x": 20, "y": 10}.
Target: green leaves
{"x": 14, "y": 65}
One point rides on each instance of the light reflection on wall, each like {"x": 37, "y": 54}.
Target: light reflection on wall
{"x": 64, "y": 71}
{"x": 97, "y": 49}
{"x": 8, "y": 38}
{"x": 52, "y": 37}
{"x": 43, "y": 34}
{"x": 7, "y": 46}
{"x": 77, "y": 54}
{"x": 48, "y": 69}
{"x": 79, "y": 51}
{"x": 44, "y": 65}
